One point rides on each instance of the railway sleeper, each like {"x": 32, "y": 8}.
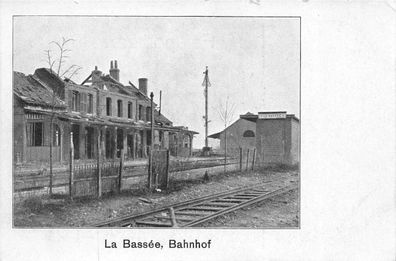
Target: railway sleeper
{"x": 241, "y": 198}
{"x": 154, "y": 224}
{"x": 189, "y": 213}
{"x": 220, "y": 204}
{"x": 229, "y": 200}
{"x": 259, "y": 190}
{"x": 253, "y": 194}
{"x": 177, "y": 218}
{"x": 245, "y": 195}
{"x": 204, "y": 208}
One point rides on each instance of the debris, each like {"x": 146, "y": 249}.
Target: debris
{"x": 173, "y": 217}
{"x": 206, "y": 176}
{"x": 145, "y": 200}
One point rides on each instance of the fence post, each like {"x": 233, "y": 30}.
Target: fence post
{"x": 172, "y": 217}
{"x": 98, "y": 162}
{"x": 247, "y": 160}
{"x": 71, "y": 166}
{"x": 150, "y": 164}
{"x": 240, "y": 159}
{"x": 120, "y": 171}
{"x": 167, "y": 168}
{"x": 254, "y": 158}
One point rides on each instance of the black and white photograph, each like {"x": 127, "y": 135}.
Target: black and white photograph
{"x": 197, "y": 130}
{"x": 159, "y": 122}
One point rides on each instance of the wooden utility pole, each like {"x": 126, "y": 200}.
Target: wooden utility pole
{"x": 254, "y": 158}
{"x": 247, "y": 160}
{"x": 150, "y": 175}
{"x": 98, "y": 162}
{"x": 206, "y": 83}
{"x": 120, "y": 171}
{"x": 71, "y": 166}
{"x": 160, "y": 103}
{"x": 240, "y": 159}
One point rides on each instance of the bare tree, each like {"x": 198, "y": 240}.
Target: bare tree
{"x": 59, "y": 61}
{"x": 226, "y": 113}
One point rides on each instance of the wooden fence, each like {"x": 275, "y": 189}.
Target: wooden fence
{"x": 159, "y": 176}
{"x": 84, "y": 179}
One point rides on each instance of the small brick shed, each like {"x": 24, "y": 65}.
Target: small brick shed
{"x": 277, "y": 137}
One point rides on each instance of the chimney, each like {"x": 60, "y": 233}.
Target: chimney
{"x": 114, "y": 71}
{"x": 96, "y": 75}
{"x": 143, "y": 85}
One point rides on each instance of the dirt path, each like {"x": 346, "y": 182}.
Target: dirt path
{"x": 45, "y": 212}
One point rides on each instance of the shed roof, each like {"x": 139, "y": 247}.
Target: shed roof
{"x": 215, "y": 135}
{"x": 245, "y": 116}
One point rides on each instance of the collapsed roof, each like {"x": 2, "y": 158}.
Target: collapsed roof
{"x": 31, "y": 91}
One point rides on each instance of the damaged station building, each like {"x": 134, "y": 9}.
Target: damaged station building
{"x": 99, "y": 111}
{"x": 275, "y": 135}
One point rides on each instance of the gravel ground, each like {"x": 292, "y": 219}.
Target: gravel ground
{"x": 63, "y": 213}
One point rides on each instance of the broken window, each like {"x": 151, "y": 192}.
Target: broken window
{"x": 186, "y": 141}
{"x": 75, "y": 103}
{"x": 108, "y": 106}
{"x": 140, "y": 112}
{"x": 119, "y": 108}
{"x": 35, "y": 134}
{"x": 129, "y": 110}
{"x": 89, "y": 142}
{"x": 148, "y": 114}
{"x": 120, "y": 142}
{"x": 108, "y": 144}
{"x": 75, "y": 133}
{"x": 56, "y": 137}
{"x": 90, "y": 103}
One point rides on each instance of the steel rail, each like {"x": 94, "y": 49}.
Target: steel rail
{"x": 126, "y": 220}
{"x": 241, "y": 205}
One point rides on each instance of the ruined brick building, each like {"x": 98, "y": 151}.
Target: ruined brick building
{"x": 99, "y": 111}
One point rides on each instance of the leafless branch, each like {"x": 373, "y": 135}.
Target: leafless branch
{"x": 74, "y": 72}
{"x": 73, "y": 69}
{"x": 226, "y": 112}
{"x": 67, "y": 70}
{"x": 62, "y": 52}
{"x": 49, "y": 60}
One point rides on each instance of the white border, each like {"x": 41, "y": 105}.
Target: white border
{"x": 348, "y": 140}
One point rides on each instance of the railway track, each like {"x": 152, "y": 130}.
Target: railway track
{"x": 197, "y": 211}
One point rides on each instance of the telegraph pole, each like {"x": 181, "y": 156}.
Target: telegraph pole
{"x": 206, "y": 83}
{"x": 150, "y": 174}
{"x": 160, "y": 103}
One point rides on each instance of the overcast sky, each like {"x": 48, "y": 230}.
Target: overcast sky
{"x": 253, "y": 61}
